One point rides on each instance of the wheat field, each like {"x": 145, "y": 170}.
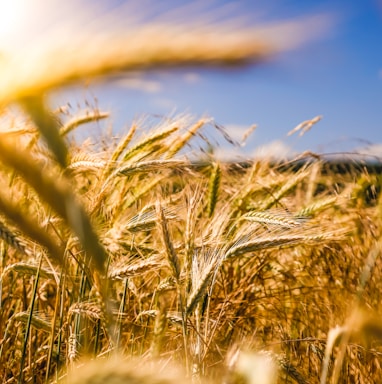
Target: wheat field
{"x": 124, "y": 260}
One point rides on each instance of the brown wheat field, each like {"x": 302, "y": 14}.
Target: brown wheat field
{"x": 124, "y": 260}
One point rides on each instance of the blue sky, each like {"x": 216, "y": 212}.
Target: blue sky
{"x": 337, "y": 75}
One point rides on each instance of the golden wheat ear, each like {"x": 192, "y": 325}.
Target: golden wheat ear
{"x": 89, "y": 117}
{"x": 172, "y": 257}
{"x": 119, "y": 370}
{"x": 213, "y": 188}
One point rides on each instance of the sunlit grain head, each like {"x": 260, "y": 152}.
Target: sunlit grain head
{"x": 47, "y": 44}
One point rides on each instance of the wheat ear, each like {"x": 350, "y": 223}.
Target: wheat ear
{"x": 146, "y": 219}
{"x": 90, "y": 310}
{"x": 143, "y": 190}
{"x": 241, "y": 247}
{"x": 89, "y": 117}
{"x": 27, "y": 269}
{"x": 148, "y": 166}
{"x": 179, "y": 143}
{"x": 200, "y": 288}
{"x": 13, "y": 240}
{"x": 268, "y": 217}
{"x": 118, "y": 370}
{"x": 317, "y": 206}
{"x": 136, "y": 269}
{"x": 36, "y": 321}
{"x": 159, "y": 328}
{"x": 145, "y": 144}
{"x": 213, "y": 188}
{"x": 172, "y": 257}
{"x": 286, "y": 188}
{"x": 123, "y": 143}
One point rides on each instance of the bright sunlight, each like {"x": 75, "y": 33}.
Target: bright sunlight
{"x": 12, "y": 18}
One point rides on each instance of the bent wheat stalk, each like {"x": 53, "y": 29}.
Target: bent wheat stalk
{"x": 57, "y": 193}
{"x": 54, "y": 64}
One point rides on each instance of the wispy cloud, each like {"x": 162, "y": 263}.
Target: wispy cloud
{"x": 373, "y": 150}
{"x": 230, "y": 154}
{"x": 141, "y": 84}
{"x": 274, "y": 150}
{"x": 192, "y": 78}
{"x": 163, "y": 102}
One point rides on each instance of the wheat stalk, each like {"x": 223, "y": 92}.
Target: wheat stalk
{"x": 57, "y": 193}
{"x": 48, "y": 125}
{"x": 54, "y": 64}
{"x": 30, "y": 228}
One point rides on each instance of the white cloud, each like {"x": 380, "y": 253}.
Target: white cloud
{"x": 371, "y": 150}
{"x": 274, "y": 150}
{"x": 192, "y": 77}
{"x": 230, "y": 154}
{"x": 138, "y": 83}
{"x": 163, "y": 102}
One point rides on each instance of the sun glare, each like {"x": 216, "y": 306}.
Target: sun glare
{"x": 12, "y": 17}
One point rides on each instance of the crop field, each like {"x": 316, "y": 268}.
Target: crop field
{"x": 124, "y": 260}
{"x": 131, "y": 250}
